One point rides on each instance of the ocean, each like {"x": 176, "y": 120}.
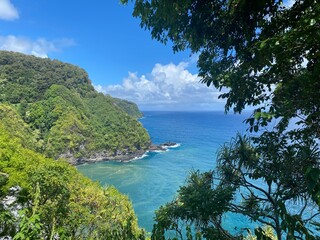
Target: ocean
{"x": 154, "y": 179}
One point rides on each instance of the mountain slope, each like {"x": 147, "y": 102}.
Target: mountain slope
{"x": 53, "y": 198}
{"x": 67, "y": 117}
{"x": 129, "y": 107}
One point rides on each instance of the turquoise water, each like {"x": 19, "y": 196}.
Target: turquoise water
{"x": 153, "y": 180}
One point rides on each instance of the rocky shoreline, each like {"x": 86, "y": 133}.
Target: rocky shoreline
{"x": 162, "y": 147}
{"x": 122, "y": 157}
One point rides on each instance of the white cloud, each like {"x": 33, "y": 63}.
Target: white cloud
{"x": 40, "y": 47}
{"x": 8, "y": 11}
{"x": 167, "y": 87}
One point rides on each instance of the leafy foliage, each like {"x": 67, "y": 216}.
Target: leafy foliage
{"x": 260, "y": 184}
{"x": 129, "y": 107}
{"x": 247, "y": 47}
{"x": 269, "y": 182}
{"x": 198, "y": 207}
{"x": 265, "y": 233}
{"x": 263, "y": 54}
{"x": 56, "y": 200}
{"x": 51, "y": 107}
{"x": 64, "y": 114}
{"x": 24, "y": 77}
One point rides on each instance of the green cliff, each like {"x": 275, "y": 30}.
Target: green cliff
{"x": 49, "y": 112}
{"x": 129, "y": 107}
{"x": 42, "y": 198}
{"x": 64, "y": 113}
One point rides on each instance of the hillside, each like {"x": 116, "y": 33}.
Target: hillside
{"x": 50, "y": 111}
{"x": 52, "y": 197}
{"x": 129, "y": 107}
{"x": 65, "y": 115}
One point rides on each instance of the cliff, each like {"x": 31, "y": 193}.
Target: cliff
{"x": 52, "y": 197}
{"x": 65, "y": 116}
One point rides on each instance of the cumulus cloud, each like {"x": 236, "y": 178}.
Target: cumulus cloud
{"x": 166, "y": 87}
{"x": 40, "y": 47}
{"x": 8, "y": 11}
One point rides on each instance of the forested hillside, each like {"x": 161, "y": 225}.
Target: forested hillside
{"x": 49, "y": 110}
{"x": 64, "y": 114}
{"x": 129, "y": 107}
{"x": 45, "y": 199}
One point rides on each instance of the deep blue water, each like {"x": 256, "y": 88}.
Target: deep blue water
{"x": 154, "y": 180}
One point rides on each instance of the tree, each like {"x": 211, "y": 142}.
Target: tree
{"x": 261, "y": 51}
{"x": 248, "y": 182}
{"x": 52, "y": 198}
{"x": 198, "y": 207}
{"x": 269, "y": 182}
{"x": 67, "y": 116}
{"x": 266, "y": 55}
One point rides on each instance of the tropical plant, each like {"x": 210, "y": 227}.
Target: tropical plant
{"x": 263, "y": 54}
{"x": 54, "y": 200}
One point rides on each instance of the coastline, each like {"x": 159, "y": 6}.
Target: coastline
{"x": 104, "y": 156}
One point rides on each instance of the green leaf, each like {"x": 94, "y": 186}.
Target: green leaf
{"x": 312, "y": 22}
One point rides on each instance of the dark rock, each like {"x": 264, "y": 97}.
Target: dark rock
{"x": 116, "y": 156}
{"x": 154, "y": 147}
{"x": 168, "y": 144}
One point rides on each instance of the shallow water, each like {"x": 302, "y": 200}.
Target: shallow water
{"x": 153, "y": 180}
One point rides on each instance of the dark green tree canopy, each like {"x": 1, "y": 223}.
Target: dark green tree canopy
{"x": 49, "y": 107}
{"x": 66, "y": 116}
{"x": 49, "y": 198}
{"x": 264, "y": 53}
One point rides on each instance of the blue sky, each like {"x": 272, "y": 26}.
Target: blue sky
{"x": 103, "y": 38}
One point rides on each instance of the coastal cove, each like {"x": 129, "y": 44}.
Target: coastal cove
{"x": 122, "y": 157}
{"x": 160, "y": 120}
{"x": 153, "y": 180}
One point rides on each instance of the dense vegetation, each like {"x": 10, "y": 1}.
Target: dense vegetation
{"x": 42, "y": 198}
{"x": 49, "y": 109}
{"x": 266, "y": 55}
{"x": 66, "y": 116}
{"x": 129, "y": 107}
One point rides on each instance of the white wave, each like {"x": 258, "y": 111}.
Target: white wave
{"x": 160, "y": 151}
{"x": 174, "y": 146}
{"x": 141, "y": 157}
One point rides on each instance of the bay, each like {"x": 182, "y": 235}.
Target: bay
{"x": 153, "y": 180}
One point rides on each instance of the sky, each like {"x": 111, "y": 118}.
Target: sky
{"x": 103, "y": 38}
